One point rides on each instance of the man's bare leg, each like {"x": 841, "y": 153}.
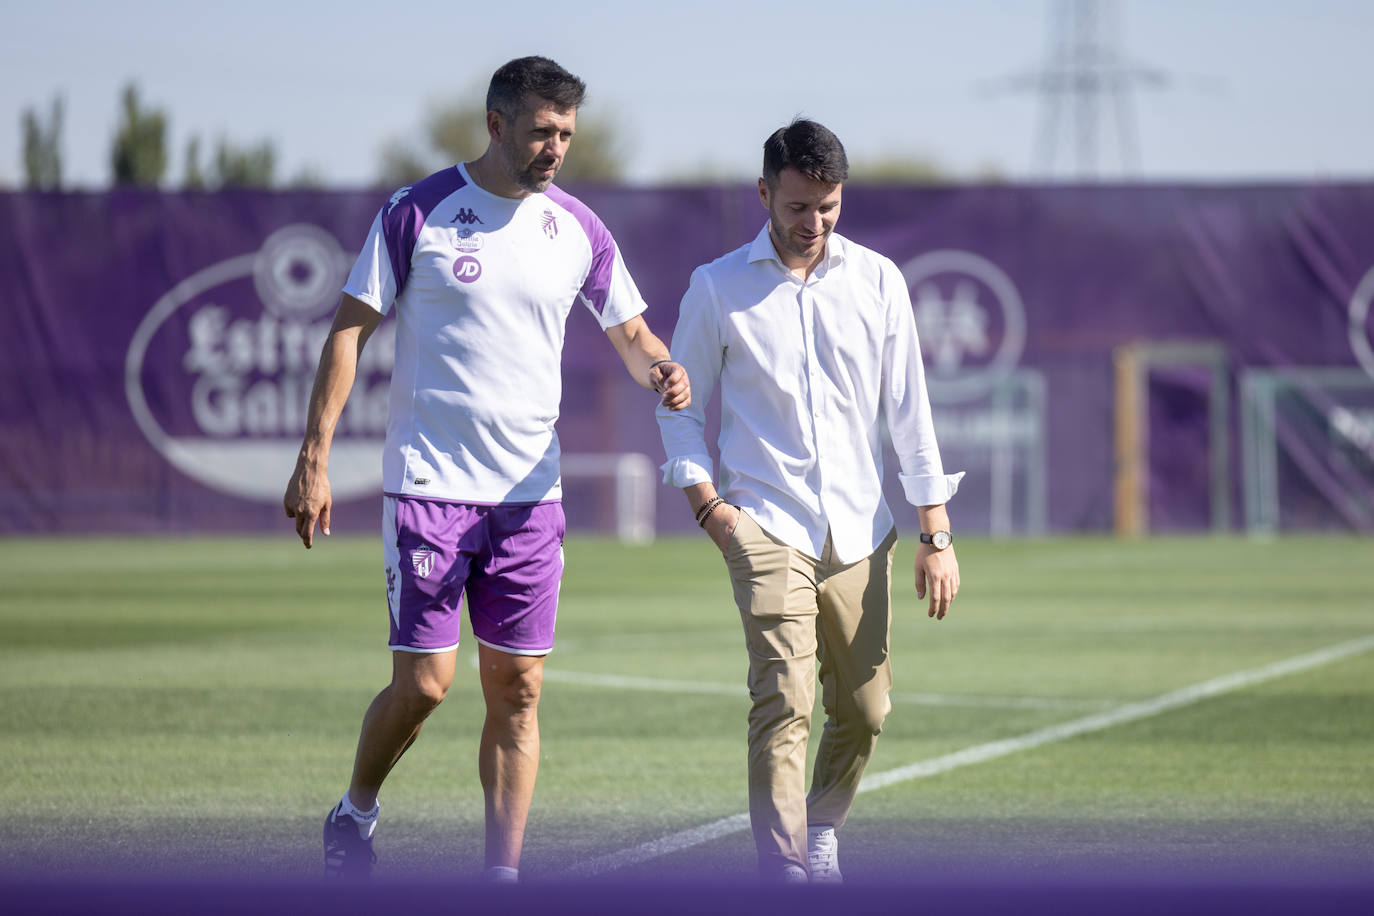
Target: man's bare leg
{"x": 509, "y": 757}
{"x": 419, "y": 681}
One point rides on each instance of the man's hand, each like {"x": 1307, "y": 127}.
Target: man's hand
{"x": 648, "y": 362}
{"x": 670, "y": 380}
{"x": 721, "y": 525}
{"x": 308, "y": 500}
{"x": 937, "y": 570}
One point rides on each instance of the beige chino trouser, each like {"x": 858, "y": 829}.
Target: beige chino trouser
{"x": 797, "y": 610}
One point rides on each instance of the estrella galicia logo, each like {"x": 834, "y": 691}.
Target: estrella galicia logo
{"x": 219, "y": 371}
{"x": 467, "y": 240}
{"x": 467, "y": 269}
{"x": 466, "y": 217}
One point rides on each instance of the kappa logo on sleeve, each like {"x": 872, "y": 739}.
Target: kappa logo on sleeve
{"x": 396, "y": 198}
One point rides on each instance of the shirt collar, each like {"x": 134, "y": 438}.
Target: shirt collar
{"x": 761, "y": 249}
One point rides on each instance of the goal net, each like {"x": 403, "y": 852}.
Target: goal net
{"x": 1307, "y": 439}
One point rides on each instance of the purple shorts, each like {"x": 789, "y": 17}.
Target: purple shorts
{"x": 509, "y": 560}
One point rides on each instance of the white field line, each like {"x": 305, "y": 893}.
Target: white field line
{"x": 990, "y": 701}
{"x": 1130, "y": 712}
{"x": 627, "y": 682}
{"x": 587, "y": 679}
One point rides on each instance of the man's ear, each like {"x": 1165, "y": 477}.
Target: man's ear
{"x": 763, "y": 193}
{"x": 494, "y": 125}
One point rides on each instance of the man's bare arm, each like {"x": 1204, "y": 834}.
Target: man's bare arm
{"x": 307, "y": 498}
{"x": 648, "y": 362}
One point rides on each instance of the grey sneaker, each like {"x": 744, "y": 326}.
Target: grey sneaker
{"x": 823, "y": 855}
{"x": 792, "y": 874}
{"x": 348, "y": 853}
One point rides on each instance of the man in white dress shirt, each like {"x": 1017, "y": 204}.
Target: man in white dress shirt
{"x": 812, "y": 342}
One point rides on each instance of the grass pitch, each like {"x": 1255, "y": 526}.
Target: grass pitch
{"x": 190, "y": 707}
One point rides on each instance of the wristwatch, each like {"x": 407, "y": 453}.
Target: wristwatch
{"x": 939, "y": 540}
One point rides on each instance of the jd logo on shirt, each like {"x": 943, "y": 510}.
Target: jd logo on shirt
{"x": 467, "y": 269}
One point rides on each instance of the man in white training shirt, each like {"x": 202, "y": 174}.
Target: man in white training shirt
{"x": 483, "y": 263}
{"x": 812, "y": 341}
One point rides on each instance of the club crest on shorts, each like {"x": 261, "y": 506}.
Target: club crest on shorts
{"x": 422, "y": 561}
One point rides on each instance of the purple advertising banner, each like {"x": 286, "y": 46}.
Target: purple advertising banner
{"x": 1183, "y": 357}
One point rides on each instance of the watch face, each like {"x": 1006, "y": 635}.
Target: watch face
{"x": 941, "y": 539}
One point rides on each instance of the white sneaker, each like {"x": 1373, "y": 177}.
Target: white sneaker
{"x": 792, "y": 874}
{"x": 823, "y": 855}
{"x": 500, "y": 874}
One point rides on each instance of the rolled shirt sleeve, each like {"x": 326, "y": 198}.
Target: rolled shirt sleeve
{"x": 906, "y": 402}
{"x": 697, "y": 347}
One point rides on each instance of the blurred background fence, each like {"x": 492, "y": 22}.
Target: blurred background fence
{"x": 1131, "y": 358}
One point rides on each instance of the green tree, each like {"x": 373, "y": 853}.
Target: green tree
{"x": 897, "y": 170}
{"x": 233, "y": 166}
{"x": 245, "y": 166}
{"x": 308, "y": 178}
{"x": 456, "y": 131}
{"x": 43, "y": 148}
{"x": 914, "y": 170}
{"x": 194, "y": 179}
{"x": 139, "y": 156}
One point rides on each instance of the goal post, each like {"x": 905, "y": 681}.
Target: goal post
{"x": 1132, "y": 364}
{"x": 632, "y": 479}
{"x": 1307, "y": 449}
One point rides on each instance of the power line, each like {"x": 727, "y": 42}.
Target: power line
{"x": 1084, "y": 78}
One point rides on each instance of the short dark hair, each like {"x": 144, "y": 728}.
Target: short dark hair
{"x": 808, "y": 147}
{"x": 539, "y": 76}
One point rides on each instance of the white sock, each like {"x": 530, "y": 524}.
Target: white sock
{"x": 366, "y": 820}
{"x": 501, "y": 874}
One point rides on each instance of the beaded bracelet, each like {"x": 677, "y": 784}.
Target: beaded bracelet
{"x": 714, "y": 505}
{"x": 707, "y": 507}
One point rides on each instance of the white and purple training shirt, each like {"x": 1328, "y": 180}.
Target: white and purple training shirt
{"x": 483, "y": 286}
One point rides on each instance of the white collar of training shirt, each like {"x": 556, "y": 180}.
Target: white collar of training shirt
{"x": 763, "y": 249}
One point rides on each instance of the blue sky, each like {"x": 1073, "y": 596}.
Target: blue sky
{"x": 1258, "y": 89}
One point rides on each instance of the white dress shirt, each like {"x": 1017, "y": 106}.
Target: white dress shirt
{"x": 806, "y": 370}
